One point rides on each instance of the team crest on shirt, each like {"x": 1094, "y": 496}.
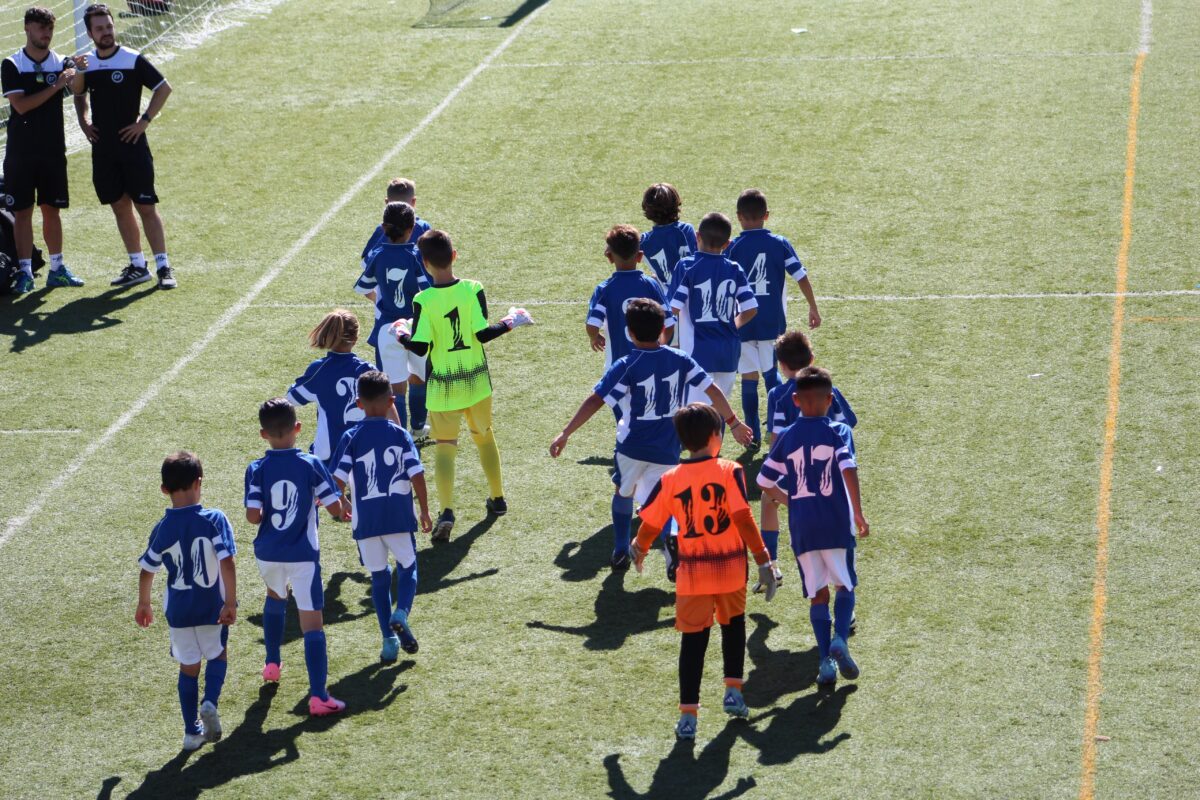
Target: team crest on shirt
{"x": 117, "y": 76}
{"x": 9, "y": 200}
{"x": 51, "y": 78}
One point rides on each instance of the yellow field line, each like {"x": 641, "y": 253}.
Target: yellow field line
{"x": 1091, "y": 718}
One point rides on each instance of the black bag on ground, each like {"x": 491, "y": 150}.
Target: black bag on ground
{"x": 8, "y": 246}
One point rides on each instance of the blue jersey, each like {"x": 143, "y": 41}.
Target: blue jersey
{"x": 712, "y": 291}
{"x": 782, "y": 410}
{"x": 332, "y": 383}
{"x": 606, "y": 310}
{"x": 664, "y": 245}
{"x": 647, "y": 387}
{"x": 806, "y": 462}
{"x": 395, "y": 273}
{"x": 191, "y": 542}
{"x": 378, "y": 458}
{"x": 285, "y": 484}
{"x": 768, "y": 260}
{"x": 378, "y": 238}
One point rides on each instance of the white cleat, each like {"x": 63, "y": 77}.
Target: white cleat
{"x": 212, "y": 722}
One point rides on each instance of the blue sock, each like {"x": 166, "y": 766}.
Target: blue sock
{"x": 401, "y": 410}
{"x": 416, "y": 405}
{"x": 214, "y": 679}
{"x": 317, "y": 661}
{"x": 771, "y": 539}
{"x": 406, "y": 586}
{"x": 273, "y": 611}
{"x": 771, "y": 378}
{"x": 750, "y": 405}
{"x": 843, "y": 612}
{"x": 381, "y": 596}
{"x": 189, "y": 701}
{"x": 819, "y": 616}
{"x": 622, "y": 516}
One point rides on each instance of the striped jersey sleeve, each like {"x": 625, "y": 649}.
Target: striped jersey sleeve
{"x": 612, "y": 386}
{"x": 696, "y": 376}
{"x": 412, "y": 459}
{"x": 597, "y": 313}
{"x": 324, "y": 489}
{"x": 792, "y": 261}
{"x": 298, "y": 394}
{"x": 366, "y": 282}
{"x": 845, "y": 458}
{"x": 151, "y": 560}
{"x": 744, "y": 294}
{"x": 343, "y": 460}
{"x": 772, "y": 472}
{"x": 254, "y": 489}
{"x": 222, "y": 538}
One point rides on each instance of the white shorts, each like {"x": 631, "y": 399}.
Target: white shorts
{"x": 757, "y": 357}
{"x": 635, "y": 478}
{"x": 190, "y": 645}
{"x": 303, "y": 576}
{"x": 723, "y": 381}
{"x": 820, "y": 568}
{"x": 397, "y": 362}
{"x": 374, "y": 551}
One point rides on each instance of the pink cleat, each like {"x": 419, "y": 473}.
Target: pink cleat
{"x": 271, "y": 673}
{"x": 323, "y": 708}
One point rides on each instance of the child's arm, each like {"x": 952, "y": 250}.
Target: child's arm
{"x": 775, "y": 494}
{"x": 229, "y": 578}
{"x": 338, "y": 509}
{"x": 646, "y": 535}
{"x": 814, "y": 316}
{"x": 744, "y": 317}
{"x": 422, "y": 493}
{"x": 740, "y": 430}
{"x": 254, "y": 515}
{"x": 850, "y": 476}
{"x": 144, "y": 614}
{"x": 596, "y": 337}
{"x": 587, "y": 409}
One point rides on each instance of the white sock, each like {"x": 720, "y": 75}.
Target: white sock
{"x": 160, "y": 260}
{"x": 56, "y": 262}
{"x": 26, "y": 265}
{"x": 138, "y": 260}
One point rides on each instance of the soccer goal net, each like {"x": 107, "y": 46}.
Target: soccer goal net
{"x": 477, "y": 13}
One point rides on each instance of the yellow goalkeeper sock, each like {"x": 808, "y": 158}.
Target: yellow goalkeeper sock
{"x": 443, "y": 472}
{"x": 489, "y": 459}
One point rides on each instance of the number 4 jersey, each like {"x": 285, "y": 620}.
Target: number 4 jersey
{"x": 378, "y": 458}
{"x": 191, "y": 542}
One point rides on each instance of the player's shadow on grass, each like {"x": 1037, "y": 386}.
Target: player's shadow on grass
{"x": 597, "y": 461}
{"x": 435, "y": 564}
{"x": 28, "y": 325}
{"x": 582, "y": 561}
{"x": 620, "y": 614}
{"x": 522, "y": 11}
{"x": 684, "y": 774}
{"x": 249, "y": 749}
{"x": 336, "y": 610}
{"x": 752, "y": 461}
{"x": 805, "y": 726}
{"x": 776, "y": 673}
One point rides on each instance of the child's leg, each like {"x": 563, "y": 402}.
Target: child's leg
{"x": 189, "y": 696}
{"x": 622, "y": 517}
{"x": 310, "y": 599}
{"x": 400, "y": 390}
{"x": 406, "y": 586}
{"x": 769, "y": 519}
{"x": 445, "y": 433}
{"x": 750, "y": 402}
{"x": 479, "y": 422}
{"x": 691, "y": 669}
{"x": 416, "y": 402}
{"x": 818, "y": 614}
{"x": 381, "y": 597}
{"x": 274, "y": 609}
{"x": 214, "y": 677}
{"x": 733, "y": 650}
{"x": 843, "y": 612}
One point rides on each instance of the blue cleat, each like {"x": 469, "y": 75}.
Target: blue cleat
{"x": 390, "y": 651}
{"x": 827, "y": 672}
{"x": 62, "y": 277}
{"x": 686, "y": 727}
{"x": 735, "y": 704}
{"x": 408, "y": 642}
{"x": 24, "y": 284}
{"x": 840, "y": 653}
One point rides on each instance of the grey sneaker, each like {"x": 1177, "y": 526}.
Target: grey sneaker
{"x": 211, "y": 720}
{"x": 443, "y": 526}
{"x": 735, "y": 704}
{"x": 131, "y": 276}
{"x": 686, "y": 727}
{"x": 192, "y": 741}
{"x": 166, "y": 278}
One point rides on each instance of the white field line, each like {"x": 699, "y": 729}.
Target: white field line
{"x": 842, "y": 298}
{"x": 1147, "y": 19}
{"x": 41, "y": 497}
{"x": 818, "y": 59}
{"x": 38, "y": 431}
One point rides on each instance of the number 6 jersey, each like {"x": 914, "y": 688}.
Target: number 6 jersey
{"x": 191, "y": 542}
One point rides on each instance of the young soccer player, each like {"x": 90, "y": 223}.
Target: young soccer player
{"x": 450, "y": 325}
{"x": 713, "y": 300}
{"x": 380, "y": 460}
{"x": 706, "y": 496}
{"x": 647, "y": 386}
{"x": 606, "y": 311}
{"x": 282, "y": 490}
{"x": 767, "y": 259}
{"x": 196, "y": 546}
{"x": 392, "y": 277}
{"x": 810, "y": 467}
{"x": 331, "y": 382}
{"x": 669, "y": 240}
{"x": 399, "y": 190}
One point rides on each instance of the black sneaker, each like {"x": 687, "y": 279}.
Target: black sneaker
{"x": 166, "y": 278}
{"x": 619, "y": 561}
{"x": 131, "y": 276}
{"x": 496, "y": 506}
{"x": 443, "y": 526}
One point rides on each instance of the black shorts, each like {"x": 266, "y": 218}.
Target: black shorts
{"x": 39, "y": 177}
{"x": 124, "y": 169}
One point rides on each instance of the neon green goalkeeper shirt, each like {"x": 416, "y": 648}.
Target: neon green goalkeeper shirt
{"x": 448, "y": 319}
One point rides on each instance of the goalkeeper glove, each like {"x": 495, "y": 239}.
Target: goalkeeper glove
{"x": 638, "y": 556}
{"x": 402, "y": 327}
{"x": 516, "y": 318}
{"x": 768, "y": 580}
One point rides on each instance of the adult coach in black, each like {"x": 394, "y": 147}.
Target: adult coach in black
{"x": 122, "y": 166}
{"x": 35, "y": 155}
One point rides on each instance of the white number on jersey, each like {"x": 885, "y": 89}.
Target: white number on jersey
{"x": 758, "y": 275}
{"x": 285, "y": 496}
{"x": 348, "y": 388}
{"x": 716, "y": 306}
{"x": 650, "y": 407}
{"x": 204, "y": 565}
{"x": 397, "y": 276}
{"x": 821, "y": 452}
{"x": 392, "y": 456}
{"x": 660, "y": 261}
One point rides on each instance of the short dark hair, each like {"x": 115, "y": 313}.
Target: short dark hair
{"x": 436, "y": 248}
{"x": 645, "y": 319}
{"x": 373, "y": 385}
{"x": 695, "y": 425}
{"x": 624, "y": 241}
{"x": 401, "y": 189}
{"x": 398, "y": 220}
{"x": 814, "y": 379}
{"x": 752, "y": 203}
{"x": 180, "y": 470}
{"x": 714, "y": 229}
{"x": 95, "y": 10}
{"x": 661, "y": 204}
{"x": 277, "y": 416}
{"x": 40, "y": 15}
{"x": 793, "y": 350}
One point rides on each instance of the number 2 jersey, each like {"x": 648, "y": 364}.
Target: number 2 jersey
{"x": 647, "y": 387}
{"x": 379, "y": 459}
{"x": 806, "y": 462}
{"x": 332, "y": 383}
{"x": 285, "y": 484}
{"x": 706, "y": 496}
{"x": 191, "y": 542}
